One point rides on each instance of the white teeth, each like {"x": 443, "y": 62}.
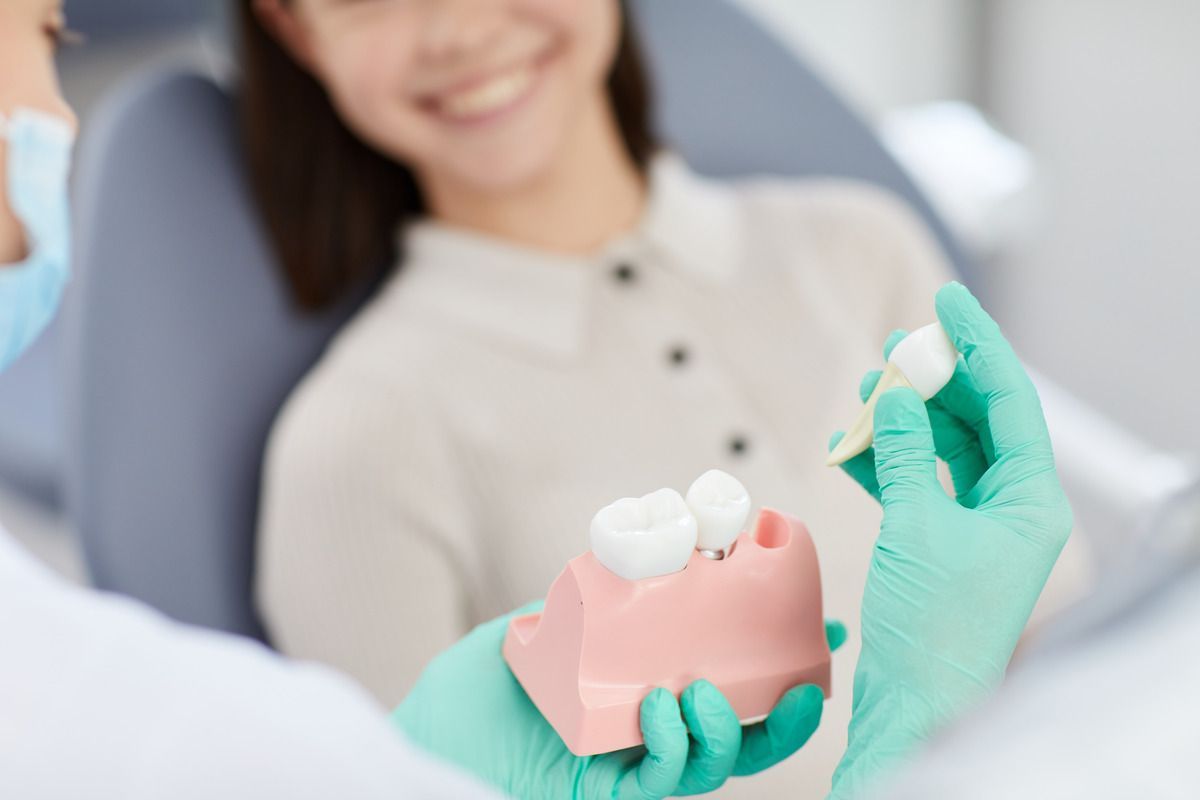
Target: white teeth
{"x": 645, "y": 537}
{"x": 491, "y": 95}
{"x": 721, "y": 506}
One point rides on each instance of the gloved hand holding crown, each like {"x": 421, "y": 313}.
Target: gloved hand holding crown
{"x": 952, "y": 581}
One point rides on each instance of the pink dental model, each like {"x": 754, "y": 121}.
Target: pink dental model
{"x": 673, "y": 592}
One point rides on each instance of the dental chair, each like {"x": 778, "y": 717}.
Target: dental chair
{"x": 181, "y": 342}
{"x": 31, "y": 424}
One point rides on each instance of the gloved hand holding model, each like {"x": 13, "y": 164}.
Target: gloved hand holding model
{"x": 469, "y": 709}
{"x": 952, "y": 582}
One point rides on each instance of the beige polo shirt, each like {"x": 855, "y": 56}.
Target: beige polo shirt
{"x": 442, "y": 463}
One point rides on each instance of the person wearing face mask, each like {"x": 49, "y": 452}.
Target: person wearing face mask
{"x": 38, "y": 129}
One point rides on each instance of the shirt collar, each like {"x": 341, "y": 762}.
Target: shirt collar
{"x": 541, "y": 301}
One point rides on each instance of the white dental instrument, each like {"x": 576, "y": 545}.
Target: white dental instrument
{"x": 923, "y": 361}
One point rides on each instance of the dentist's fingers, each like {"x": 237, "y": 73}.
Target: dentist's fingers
{"x": 785, "y": 730}
{"x": 666, "y": 741}
{"x": 1014, "y": 410}
{"x": 861, "y": 468}
{"x": 956, "y": 443}
{"x": 868, "y": 383}
{"x": 905, "y": 459}
{"x": 960, "y": 398}
{"x": 716, "y": 739}
{"x": 721, "y": 748}
{"x": 835, "y": 634}
{"x": 894, "y": 338}
{"x": 960, "y": 447}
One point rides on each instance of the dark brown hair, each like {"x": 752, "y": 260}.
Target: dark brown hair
{"x": 332, "y": 205}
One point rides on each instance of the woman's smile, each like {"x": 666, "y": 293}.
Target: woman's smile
{"x": 489, "y": 97}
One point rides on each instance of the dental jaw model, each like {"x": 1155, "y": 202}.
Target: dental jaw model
{"x": 923, "y": 361}
{"x": 672, "y": 591}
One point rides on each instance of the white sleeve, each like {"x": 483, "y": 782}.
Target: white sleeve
{"x": 101, "y": 697}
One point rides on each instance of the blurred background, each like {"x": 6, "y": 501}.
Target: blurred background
{"x": 1059, "y": 140}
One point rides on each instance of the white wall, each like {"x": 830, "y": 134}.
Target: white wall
{"x": 1105, "y": 92}
{"x": 884, "y": 53}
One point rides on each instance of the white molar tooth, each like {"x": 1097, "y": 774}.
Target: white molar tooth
{"x": 721, "y": 506}
{"x": 644, "y": 537}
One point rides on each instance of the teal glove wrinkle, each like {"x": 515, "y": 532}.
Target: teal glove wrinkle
{"x": 952, "y": 581}
{"x": 716, "y": 739}
{"x": 794, "y": 720}
{"x": 468, "y": 709}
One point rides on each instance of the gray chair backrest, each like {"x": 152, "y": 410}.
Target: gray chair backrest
{"x": 182, "y": 341}
{"x": 182, "y": 348}
{"x": 123, "y": 17}
{"x": 31, "y": 390}
{"x": 31, "y": 422}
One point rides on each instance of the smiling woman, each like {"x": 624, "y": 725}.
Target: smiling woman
{"x": 360, "y": 116}
{"x": 570, "y": 316}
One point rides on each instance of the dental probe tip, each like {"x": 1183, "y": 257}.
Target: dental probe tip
{"x": 861, "y": 434}
{"x": 849, "y": 447}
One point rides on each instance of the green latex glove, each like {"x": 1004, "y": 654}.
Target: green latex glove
{"x": 952, "y": 582}
{"x": 468, "y": 709}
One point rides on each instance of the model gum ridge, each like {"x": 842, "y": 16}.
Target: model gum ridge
{"x": 748, "y": 619}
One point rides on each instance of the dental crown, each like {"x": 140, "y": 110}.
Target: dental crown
{"x": 750, "y": 624}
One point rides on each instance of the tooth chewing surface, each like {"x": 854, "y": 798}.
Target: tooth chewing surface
{"x": 644, "y": 537}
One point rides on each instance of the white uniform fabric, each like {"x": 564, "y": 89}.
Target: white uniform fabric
{"x": 103, "y": 698}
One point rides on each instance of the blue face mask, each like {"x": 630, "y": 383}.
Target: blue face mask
{"x": 39, "y": 165}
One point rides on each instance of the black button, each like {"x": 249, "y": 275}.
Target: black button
{"x": 679, "y": 356}
{"x": 625, "y": 273}
{"x": 739, "y": 445}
